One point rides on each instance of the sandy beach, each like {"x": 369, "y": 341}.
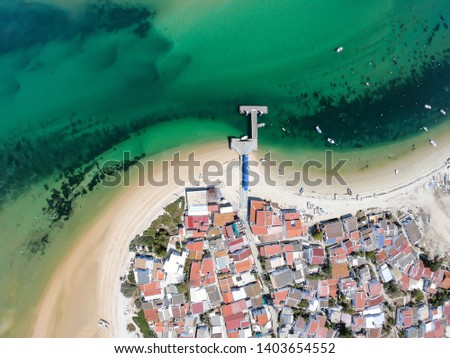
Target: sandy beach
{"x": 86, "y": 286}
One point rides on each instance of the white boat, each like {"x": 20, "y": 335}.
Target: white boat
{"x": 284, "y": 130}
{"x": 244, "y": 137}
{"x": 260, "y": 125}
{"x": 301, "y": 191}
{"x": 427, "y": 106}
{"x": 396, "y": 171}
{"x": 318, "y": 129}
{"x": 425, "y": 129}
{"x": 102, "y": 323}
{"x": 443, "y": 112}
{"x": 331, "y": 141}
{"x": 433, "y": 143}
{"x": 339, "y": 49}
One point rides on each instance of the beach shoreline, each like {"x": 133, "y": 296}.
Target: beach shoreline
{"x": 86, "y": 286}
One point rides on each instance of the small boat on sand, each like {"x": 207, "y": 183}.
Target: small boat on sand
{"x": 433, "y": 143}
{"x": 349, "y": 192}
{"x": 331, "y": 141}
{"x": 396, "y": 171}
{"x": 103, "y": 324}
{"x": 300, "y": 192}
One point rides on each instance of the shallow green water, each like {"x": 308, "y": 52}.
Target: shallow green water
{"x": 75, "y": 81}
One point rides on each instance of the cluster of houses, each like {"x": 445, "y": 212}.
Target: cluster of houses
{"x": 269, "y": 274}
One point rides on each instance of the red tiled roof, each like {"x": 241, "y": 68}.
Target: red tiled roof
{"x": 359, "y": 301}
{"x": 234, "y": 308}
{"x": 202, "y": 273}
{"x": 236, "y": 321}
{"x": 254, "y": 206}
{"x": 381, "y": 257}
{"x": 374, "y": 288}
{"x": 293, "y": 225}
{"x": 244, "y": 265}
{"x": 235, "y": 245}
{"x": 264, "y": 217}
{"x": 292, "y": 216}
{"x": 196, "y": 222}
{"x": 197, "y": 308}
{"x": 225, "y": 283}
{"x": 270, "y": 250}
{"x": 280, "y": 296}
{"x": 318, "y": 256}
{"x": 222, "y": 219}
{"x": 313, "y": 327}
{"x": 238, "y": 256}
{"x": 405, "y": 282}
{"x": 259, "y": 230}
{"x": 198, "y": 234}
{"x": 375, "y": 301}
{"x": 195, "y": 249}
{"x": 339, "y": 270}
{"x": 151, "y": 315}
{"x": 227, "y": 297}
{"x": 355, "y": 236}
{"x": 348, "y": 246}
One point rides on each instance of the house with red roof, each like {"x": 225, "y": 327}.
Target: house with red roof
{"x": 241, "y": 254}
{"x": 244, "y": 265}
{"x": 292, "y": 224}
{"x": 202, "y": 273}
{"x": 235, "y": 245}
{"x": 195, "y": 249}
{"x": 261, "y": 317}
{"x": 151, "y": 291}
{"x": 279, "y": 296}
{"x": 404, "y": 317}
{"x": 315, "y": 255}
{"x": 359, "y": 300}
{"x": 233, "y": 308}
{"x": 235, "y": 322}
{"x": 270, "y": 250}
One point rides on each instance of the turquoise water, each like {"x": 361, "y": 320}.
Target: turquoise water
{"x": 78, "y": 78}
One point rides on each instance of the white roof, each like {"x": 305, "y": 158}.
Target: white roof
{"x": 372, "y": 311}
{"x": 313, "y": 305}
{"x": 198, "y": 294}
{"x": 239, "y": 294}
{"x": 385, "y": 273}
{"x": 198, "y": 210}
{"x": 243, "y": 278}
{"x": 226, "y": 209}
{"x": 175, "y": 262}
{"x": 374, "y": 321}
